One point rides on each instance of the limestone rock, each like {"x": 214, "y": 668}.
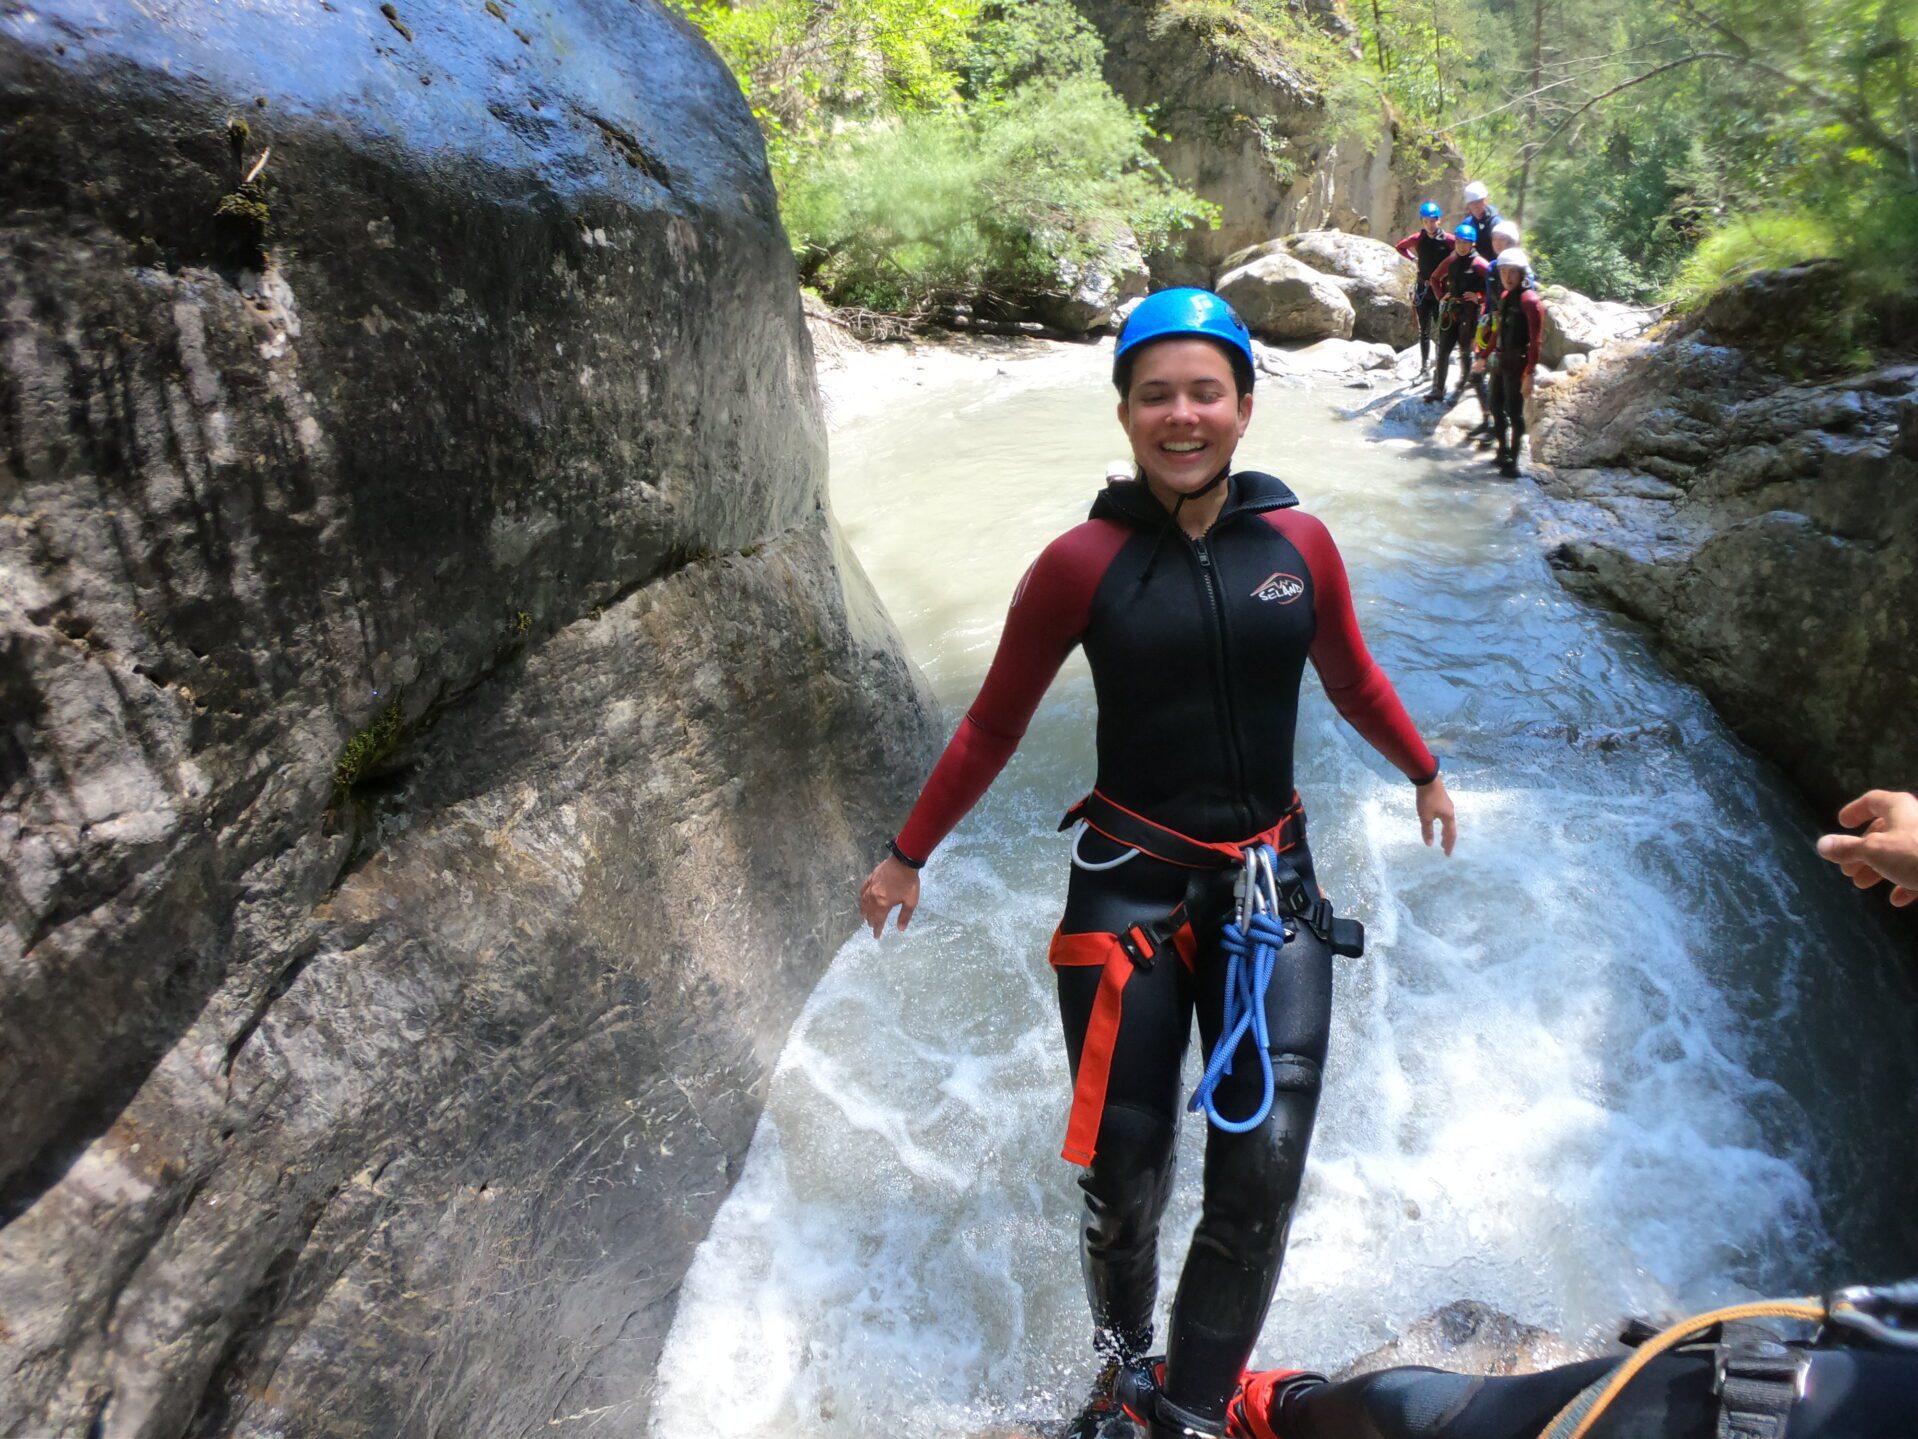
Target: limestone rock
{"x": 1759, "y": 525}
{"x": 1577, "y": 325}
{"x": 441, "y": 728}
{"x": 1089, "y": 295}
{"x": 1281, "y": 298}
{"x": 1376, "y": 278}
{"x": 1245, "y": 130}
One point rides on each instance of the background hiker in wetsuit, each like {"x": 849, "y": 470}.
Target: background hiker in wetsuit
{"x": 1511, "y": 350}
{"x": 1426, "y": 247}
{"x": 1199, "y": 595}
{"x": 1483, "y": 217}
{"x": 1459, "y": 285}
{"x": 1887, "y": 850}
{"x": 1505, "y": 234}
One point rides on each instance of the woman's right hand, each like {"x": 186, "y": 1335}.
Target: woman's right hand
{"x": 890, "y": 883}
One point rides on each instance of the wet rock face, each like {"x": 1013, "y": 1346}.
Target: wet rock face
{"x": 1254, "y": 140}
{"x": 1578, "y": 325}
{"x": 440, "y": 729}
{"x": 1764, "y": 528}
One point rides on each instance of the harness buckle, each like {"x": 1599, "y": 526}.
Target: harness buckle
{"x": 1140, "y": 946}
{"x": 1758, "y": 1380}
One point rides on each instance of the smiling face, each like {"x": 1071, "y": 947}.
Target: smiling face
{"x": 1183, "y": 414}
{"x": 1465, "y": 247}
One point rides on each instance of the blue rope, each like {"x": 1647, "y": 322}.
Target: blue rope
{"x": 1248, "y": 974}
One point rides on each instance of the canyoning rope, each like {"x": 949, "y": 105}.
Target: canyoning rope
{"x": 1847, "y": 1308}
{"x": 1253, "y": 939}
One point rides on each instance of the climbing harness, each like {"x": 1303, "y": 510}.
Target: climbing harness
{"x": 1285, "y": 899}
{"x": 1253, "y": 940}
{"x": 1757, "y": 1377}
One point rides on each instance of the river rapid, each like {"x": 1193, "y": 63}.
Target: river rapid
{"x": 1633, "y": 1048}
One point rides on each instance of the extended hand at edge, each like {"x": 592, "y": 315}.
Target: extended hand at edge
{"x": 1435, "y": 804}
{"x": 890, "y": 883}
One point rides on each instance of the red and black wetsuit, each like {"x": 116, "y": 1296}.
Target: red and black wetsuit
{"x": 1459, "y": 282}
{"x": 1521, "y": 335}
{"x": 1198, "y": 648}
{"x": 1427, "y": 252}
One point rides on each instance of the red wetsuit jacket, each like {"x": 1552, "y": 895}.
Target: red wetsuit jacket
{"x": 1428, "y": 252}
{"x": 1525, "y": 319}
{"x": 1465, "y": 283}
{"x": 1197, "y": 650}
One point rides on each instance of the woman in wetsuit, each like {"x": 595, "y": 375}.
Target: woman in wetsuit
{"x": 1199, "y": 595}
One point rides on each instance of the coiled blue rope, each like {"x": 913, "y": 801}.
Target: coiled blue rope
{"x": 1252, "y": 941}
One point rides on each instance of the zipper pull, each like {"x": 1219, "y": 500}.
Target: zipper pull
{"x": 1205, "y": 558}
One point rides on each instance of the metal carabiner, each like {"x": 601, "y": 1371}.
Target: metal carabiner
{"x": 1852, "y": 1309}
{"x": 1246, "y": 889}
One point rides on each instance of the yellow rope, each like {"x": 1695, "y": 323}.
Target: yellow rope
{"x": 1587, "y": 1406}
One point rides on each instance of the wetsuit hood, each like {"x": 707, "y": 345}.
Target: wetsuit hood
{"x": 1247, "y": 491}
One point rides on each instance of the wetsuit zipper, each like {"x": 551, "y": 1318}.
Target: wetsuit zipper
{"x": 1226, "y": 716}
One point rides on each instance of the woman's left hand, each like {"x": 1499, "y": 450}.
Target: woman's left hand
{"x": 1525, "y": 385}
{"x": 1436, "y": 804}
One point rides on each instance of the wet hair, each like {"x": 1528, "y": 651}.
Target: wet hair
{"x": 1241, "y": 367}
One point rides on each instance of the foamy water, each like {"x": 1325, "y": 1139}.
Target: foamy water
{"x": 1631, "y": 1049}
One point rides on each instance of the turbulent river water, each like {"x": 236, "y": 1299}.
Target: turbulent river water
{"x": 1633, "y": 1048}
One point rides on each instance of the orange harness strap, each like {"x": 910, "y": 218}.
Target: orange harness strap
{"x": 1102, "y": 1030}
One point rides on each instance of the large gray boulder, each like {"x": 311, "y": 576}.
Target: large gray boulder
{"x": 1376, "y": 278}
{"x": 1761, "y": 525}
{"x": 1575, "y": 324}
{"x": 441, "y": 728}
{"x": 1241, "y": 126}
{"x": 1281, "y": 298}
{"x": 1089, "y": 293}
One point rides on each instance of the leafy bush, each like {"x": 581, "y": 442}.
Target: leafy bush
{"x": 987, "y": 200}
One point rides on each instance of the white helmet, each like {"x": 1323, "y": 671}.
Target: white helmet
{"x": 1506, "y": 230}
{"x": 1516, "y": 258}
{"x": 1476, "y": 191}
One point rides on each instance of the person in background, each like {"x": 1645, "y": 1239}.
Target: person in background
{"x": 1505, "y": 234}
{"x": 1510, "y": 348}
{"x": 1887, "y": 850}
{"x": 1426, "y": 247}
{"x": 1484, "y": 218}
{"x": 1458, "y": 284}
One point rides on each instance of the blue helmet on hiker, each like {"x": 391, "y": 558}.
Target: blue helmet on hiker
{"x": 1465, "y": 230}
{"x": 1430, "y": 210}
{"x": 1172, "y": 314}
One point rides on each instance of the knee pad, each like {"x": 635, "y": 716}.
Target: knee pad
{"x": 1299, "y": 1073}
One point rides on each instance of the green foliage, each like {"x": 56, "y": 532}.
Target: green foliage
{"x": 927, "y": 153}
{"x": 983, "y": 201}
{"x": 1270, "y": 36}
{"x": 1626, "y": 134}
{"x": 368, "y": 748}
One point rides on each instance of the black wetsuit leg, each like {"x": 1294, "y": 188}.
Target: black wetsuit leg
{"x": 1508, "y": 408}
{"x": 1130, "y": 1178}
{"x": 1515, "y": 407}
{"x": 1427, "y": 307}
{"x": 1498, "y": 409}
{"x": 1447, "y": 340}
{"x": 1251, "y": 1180}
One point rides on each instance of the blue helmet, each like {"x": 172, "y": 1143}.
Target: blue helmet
{"x": 1198, "y": 313}
{"x": 1465, "y": 230}
{"x": 1430, "y": 210}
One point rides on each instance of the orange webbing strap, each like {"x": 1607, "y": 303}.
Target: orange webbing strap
{"x": 1132, "y": 829}
{"x": 1102, "y": 1029}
